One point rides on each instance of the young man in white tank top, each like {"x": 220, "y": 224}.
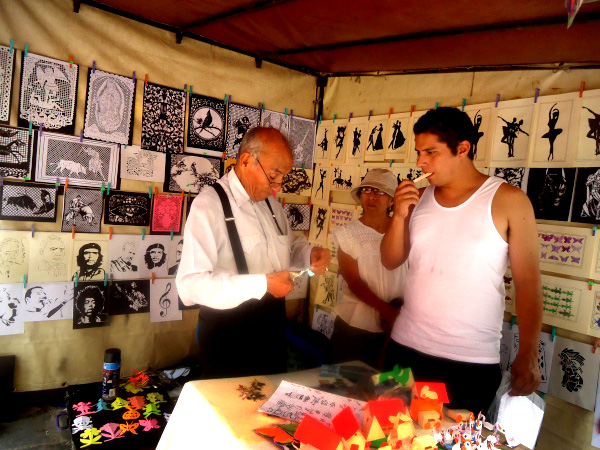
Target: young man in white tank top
{"x": 458, "y": 235}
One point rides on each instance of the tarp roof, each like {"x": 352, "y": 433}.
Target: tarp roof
{"x": 336, "y": 37}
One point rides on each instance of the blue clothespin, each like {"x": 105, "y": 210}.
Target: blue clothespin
{"x": 93, "y": 66}
{"x": 291, "y": 114}
{"x": 286, "y": 113}
{"x": 30, "y": 128}
{"x": 436, "y": 105}
{"x": 537, "y": 93}
{"x": 32, "y": 230}
{"x": 149, "y": 192}
{"x": 553, "y": 336}
{"x": 108, "y": 189}
{"x": 26, "y": 50}
{"x": 172, "y": 234}
{"x": 12, "y": 43}
{"x": 228, "y": 100}
{"x": 349, "y": 117}
{"x": 133, "y": 77}
{"x": 513, "y": 321}
{"x": 464, "y": 103}
{"x": 76, "y": 279}
{"x": 105, "y": 278}
{"x": 316, "y": 121}
{"x": 40, "y": 130}
{"x": 370, "y": 112}
{"x": 143, "y": 233}
{"x": 1, "y": 181}
{"x": 188, "y": 196}
{"x": 594, "y": 229}
{"x": 24, "y": 281}
{"x": 497, "y": 99}
{"x": 81, "y": 136}
{"x": 102, "y": 188}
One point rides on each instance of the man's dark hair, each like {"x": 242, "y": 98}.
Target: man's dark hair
{"x": 81, "y": 260}
{"x": 90, "y": 291}
{"x": 30, "y": 290}
{"x": 149, "y": 263}
{"x": 450, "y": 125}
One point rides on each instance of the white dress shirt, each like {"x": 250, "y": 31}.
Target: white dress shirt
{"x": 208, "y": 274}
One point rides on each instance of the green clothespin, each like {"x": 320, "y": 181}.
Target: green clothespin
{"x": 513, "y": 321}
{"x": 225, "y": 100}
{"x": 143, "y": 233}
{"x": 24, "y": 281}
{"x": 76, "y": 279}
{"x": 30, "y": 128}
{"x": 553, "y": 336}
{"x": 303, "y": 168}
{"x": 286, "y": 113}
{"x": 464, "y": 103}
{"x": 108, "y": 189}
{"x": 334, "y": 117}
{"x": 191, "y": 90}
{"x": 26, "y": 178}
{"x": 12, "y": 43}
{"x": 26, "y": 50}
{"x": 102, "y": 188}
{"x": 391, "y": 162}
{"x": 437, "y": 104}
{"x": 320, "y": 119}
{"x": 594, "y": 229}
{"x": 105, "y": 278}
{"x": 150, "y": 192}
{"x": 172, "y": 232}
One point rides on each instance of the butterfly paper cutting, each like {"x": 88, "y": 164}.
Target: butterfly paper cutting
{"x": 575, "y": 260}
{"x": 559, "y": 239}
{"x": 564, "y": 258}
{"x": 555, "y": 248}
{"x": 566, "y": 249}
{"x": 546, "y": 237}
{"x": 544, "y": 255}
{"x": 568, "y": 239}
{"x": 577, "y": 248}
{"x": 578, "y": 241}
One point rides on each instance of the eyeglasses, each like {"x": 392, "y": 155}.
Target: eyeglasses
{"x": 368, "y": 190}
{"x": 273, "y": 184}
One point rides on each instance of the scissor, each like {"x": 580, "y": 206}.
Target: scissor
{"x": 296, "y": 274}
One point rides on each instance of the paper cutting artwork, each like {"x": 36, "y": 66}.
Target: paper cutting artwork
{"x": 163, "y": 119}
{"x": 89, "y": 259}
{"x": 127, "y": 208}
{"x": 506, "y": 343}
{"x": 190, "y": 173}
{"x": 174, "y": 251}
{"x": 338, "y": 152}
{"x": 50, "y": 257}
{"x": 129, "y": 297}
{"x": 512, "y": 133}
{"x": 324, "y": 141}
{"x": 109, "y": 110}
{"x": 302, "y": 141}
{"x": 356, "y": 140}
{"x": 515, "y": 176}
{"x": 48, "y": 301}
{"x": 553, "y": 129}
{"x": 586, "y": 201}
{"x": 398, "y": 134}
{"x": 14, "y": 255}
{"x": 566, "y": 303}
{"x": 300, "y": 288}
{"x": 344, "y": 178}
{"x": 84, "y": 162}
{"x": 142, "y": 165}
{"x": 574, "y": 374}
{"x": 166, "y": 213}
{"x": 589, "y": 127}
{"x": 327, "y": 290}
{"x": 319, "y": 224}
{"x": 164, "y": 306}
{"x": 321, "y": 182}
{"x": 298, "y": 182}
{"x": 566, "y": 250}
{"x": 16, "y": 152}
{"x": 376, "y": 132}
{"x": 340, "y": 215}
{"x": 122, "y": 255}
{"x": 153, "y": 256}
{"x": 90, "y": 305}
{"x": 7, "y": 70}
{"x": 240, "y": 119}
{"x": 48, "y": 93}
{"x": 82, "y": 209}
{"x": 550, "y": 191}
{"x": 206, "y": 127}
{"x": 11, "y": 316}
{"x": 323, "y": 322}
{"x": 298, "y": 216}
{"x": 595, "y": 321}
{"x": 545, "y": 356}
{"x": 277, "y": 120}
{"x": 33, "y": 202}
{"x": 481, "y": 117}
{"x": 402, "y": 173}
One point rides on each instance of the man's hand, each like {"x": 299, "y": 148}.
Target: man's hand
{"x": 279, "y": 284}
{"x": 525, "y": 373}
{"x": 319, "y": 260}
{"x": 405, "y": 196}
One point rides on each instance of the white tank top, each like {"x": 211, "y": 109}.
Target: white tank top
{"x": 454, "y": 293}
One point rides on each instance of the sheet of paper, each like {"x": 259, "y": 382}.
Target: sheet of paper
{"x": 293, "y": 401}
{"x": 143, "y": 165}
{"x": 47, "y": 301}
{"x": 323, "y": 322}
{"x": 521, "y": 418}
{"x": 163, "y": 301}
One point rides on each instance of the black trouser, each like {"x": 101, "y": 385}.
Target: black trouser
{"x": 350, "y": 343}
{"x": 246, "y": 340}
{"x": 469, "y": 386}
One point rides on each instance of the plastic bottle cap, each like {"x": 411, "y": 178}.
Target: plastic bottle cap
{"x": 112, "y": 355}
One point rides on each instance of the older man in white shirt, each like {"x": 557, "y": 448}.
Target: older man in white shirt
{"x": 242, "y": 313}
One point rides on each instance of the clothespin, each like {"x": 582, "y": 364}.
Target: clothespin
{"x": 320, "y": 118}
{"x": 76, "y": 279}
{"x": 228, "y": 100}
{"x": 513, "y": 321}
{"x": 57, "y": 183}
{"x": 291, "y": 114}
{"x": 40, "y": 130}
{"x": 543, "y": 395}
{"x": 553, "y": 334}
{"x": 109, "y": 233}
{"x": 12, "y": 43}
{"x": 590, "y": 285}
{"x": 369, "y": 118}
{"x": 309, "y": 202}
{"x": 282, "y": 202}
{"x": 66, "y": 184}
{"x": 391, "y": 162}
{"x": 102, "y": 188}
{"x": 81, "y": 136}
{"x": 497, "y": 99}
{"x": 26, "y": 178}
{"x": 30, "y": 128}
{"x": 316, "y": 121}
{"x": 155, "y": 191}
{"x": 143, "y": 233}
{"x": 596, "y": 342}
{"x": 537, "y": 93}
{"x": 146, "y": 80}
{"x": 73, "y": 232}
{"x": 390, "y": 113}
{"x": 334, "y": 117}
{"x": 436, "y": 105}
{"x": 26, "y": 50}
{"x": 191, "y": 90}
{"x": 594, "y": 229}
{"x": 581, "y": 88}
{"x": 25, "y": 281}
{"x": 70, "y": 61}
{"x": 105, "y": 278}
{"x": 152, "y": 277}
{"x": 93, "y": 66}
{"x": 149, "y": 192}
{"x": 182, "y": 194}
{"x": 286, "y": 113}
{"x": 464, "y": 103}
{"x": 108, "y": 189}
{"x": 32, "y": 230}
{"x": 172, "y": 234}
{"x": 1, "y": 181}
{"x": 349, "y": 117}
{"x": 412, "y": 108}
{"x": 133, "y": 77}
{"x": 303, "y": 168}
{"x": 223, "y": 156}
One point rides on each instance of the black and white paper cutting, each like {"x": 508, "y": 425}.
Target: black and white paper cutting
{"x": 240, "y": 119}
{"x": 84, "y": 162}
{"x": 190, "y": 173}
{"x": 7, "y": 68}
{"x": 16, "y": 152}
{"x": 302, "y": 141}
{"x": 34, "y": 202}
{"x": 48, "y": 93}
{"x": 142, "y": 165}
{"x": 90, "y": 306}
{"x": 163, "y": 119}
{"x": 109, "y": 110}
{"x": 127, "y": 208}
{"x": 123, "y": 256}
{"x": 277, "y": 120}
{"x": 48, "y": 301}
{"x": 11, "y": 317}
{"x": 129, "y": 297}
{"x": 298, "y": 216}
{"x": 206, "y": 127}
{"x": 82, "y": 209}
{"x": 163, "y": 301}
{"x": 551, "y": 191}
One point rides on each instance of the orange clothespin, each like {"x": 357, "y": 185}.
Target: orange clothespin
{"x": 282, "y": 202}
{"x": 152, "y": 277}
{"x": 70, "y": 61}
{"x": 109, "y": 233}
{"x": 182, "y": 194}
{"x": 412, "y": 108}
{"x": 596, "y": 343}
{"x": 581, "y": 88}
{"x": 146, "y": 80}
{"x": 66, "y": 184}
{"x": 155, "y": 190}
{"x": 73, "y": 232}
{"x": 390, "y": 113}
{"x": 224, "y": 156}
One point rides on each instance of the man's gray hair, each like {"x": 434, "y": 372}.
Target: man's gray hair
{"x": 253, "y": 140}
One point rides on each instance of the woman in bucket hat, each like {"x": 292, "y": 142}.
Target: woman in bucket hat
{"x": 365, "y": 312}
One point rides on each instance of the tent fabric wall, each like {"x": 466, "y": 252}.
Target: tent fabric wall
{"x": 52, "y": 354}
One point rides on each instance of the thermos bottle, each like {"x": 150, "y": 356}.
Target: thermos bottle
{"x": 111, "y": 373}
